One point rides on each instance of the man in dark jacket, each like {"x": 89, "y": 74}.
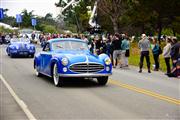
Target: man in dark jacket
{"x": 116, "y": 43}
{"x": 175, "y": 51}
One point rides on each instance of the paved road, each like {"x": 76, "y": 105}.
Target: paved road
{"x": 121, "y": 98}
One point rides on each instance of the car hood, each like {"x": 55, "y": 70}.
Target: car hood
{"x": 80, "y": 56}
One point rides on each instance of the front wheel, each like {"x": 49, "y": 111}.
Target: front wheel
{"x": 56, "y": 78}
{"x": 11, "y": 55}
{"x": 102, "y": 80}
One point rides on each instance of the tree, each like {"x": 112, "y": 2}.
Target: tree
{"x": 164, "y": 11}
{"x": 9, "y": 20}
{"x": 114, "y": 9}
{"x": 48, "y": 22}
{"x": 49, "y": 29}
{"x": 76, "y": 15}
{"x": 81, "y": 15}
{"x": 26, "y": 16}
{"x": 48, "y": 16}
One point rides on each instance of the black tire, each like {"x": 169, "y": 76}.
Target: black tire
{"x": 11, "y": 55}
{"x": 58, "y": 82}
{"x": 32, "y": 55}
{"x": 102, "y": 80}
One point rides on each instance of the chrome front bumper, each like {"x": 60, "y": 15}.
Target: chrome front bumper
{"x": 84, "y": 75}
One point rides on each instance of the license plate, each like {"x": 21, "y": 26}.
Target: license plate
{"x": 23, "y": 53}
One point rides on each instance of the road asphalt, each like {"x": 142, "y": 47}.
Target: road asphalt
{"x": 84, "y": 99}
{"x": 9, "y": 109}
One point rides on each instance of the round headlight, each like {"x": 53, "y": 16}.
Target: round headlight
{"x": 107, "y": 61}
{"x": 64, "y": 61}
{"x": 107, "y": 68}
{"x": 64, "y": 69}
{"x": 28, "y": 47}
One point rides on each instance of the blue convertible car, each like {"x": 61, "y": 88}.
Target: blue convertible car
{"x": 69, "y": 57}
{"x": 20, "y": 47}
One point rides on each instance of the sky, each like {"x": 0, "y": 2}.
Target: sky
{"x": 40, "y": 7}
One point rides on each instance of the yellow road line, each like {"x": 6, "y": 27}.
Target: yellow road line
{"x": 146, "y": 92}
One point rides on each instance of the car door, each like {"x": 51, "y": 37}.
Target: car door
{"x": 45, "y": 59}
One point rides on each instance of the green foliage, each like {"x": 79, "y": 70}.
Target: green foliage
{"x": 178, "y": 37}
{"x": 26, "y": 16}
{"x": 71, "y": 27}
{"x": 77, "y": 15}
{"x": 49, "y": 29}
{"x": 105, "y": 23}
{"x": 176, "y": 24}
{"x": 81, "y": 12}
{"x": 167, "y": 31}
{"x": 45, "y": 24}
{"x": 5, "y": 30}
{"x": 47, "y": 20}
{"x": 9, "y": 20}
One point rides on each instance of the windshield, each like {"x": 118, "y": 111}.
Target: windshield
{"x": 24, "y": 40}
{"x": 69, "y": 45}
{"x": 14, "y": 40}
{"x": 20, "y": 40}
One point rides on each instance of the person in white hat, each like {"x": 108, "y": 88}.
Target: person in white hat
{"x": 144, "y": 45}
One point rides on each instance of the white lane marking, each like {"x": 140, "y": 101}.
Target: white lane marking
{"x": 18, "y": 100}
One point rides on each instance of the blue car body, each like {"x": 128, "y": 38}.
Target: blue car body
{"x": 20, "y": 47}
{"x": 81, "y": 62}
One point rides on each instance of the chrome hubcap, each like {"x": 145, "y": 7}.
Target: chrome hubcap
{"x": 55, "y": 75}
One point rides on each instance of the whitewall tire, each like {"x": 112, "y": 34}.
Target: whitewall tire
{"x": 56, "y": 78}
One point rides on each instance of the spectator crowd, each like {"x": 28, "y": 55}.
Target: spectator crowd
{"x": 117, "y": 47}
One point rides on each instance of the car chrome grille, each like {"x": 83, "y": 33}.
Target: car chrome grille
{"x": 86, "y": 67}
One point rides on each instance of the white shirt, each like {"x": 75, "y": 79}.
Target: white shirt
{"x": 167, "y": 50}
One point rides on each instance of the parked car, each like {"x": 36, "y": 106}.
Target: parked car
{"x": 20, "y": 47}
{"x": 69, "y": 57}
